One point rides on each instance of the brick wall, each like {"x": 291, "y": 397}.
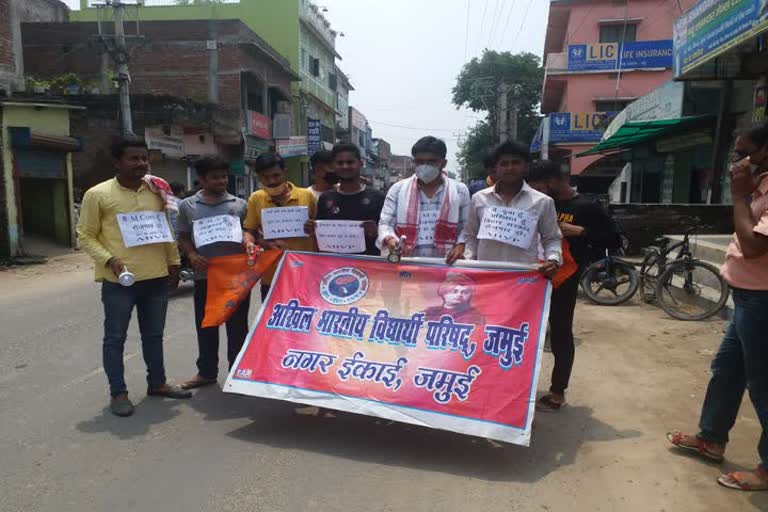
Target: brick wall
{"x": 7, "y": 63}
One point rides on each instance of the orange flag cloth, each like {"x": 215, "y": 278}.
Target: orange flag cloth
{"x": 230, "y": 280}
{"x": 567, "y": 269}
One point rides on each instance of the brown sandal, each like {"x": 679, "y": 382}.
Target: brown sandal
{"x": 702, "y": 447}
{"x": 736, "y": 481}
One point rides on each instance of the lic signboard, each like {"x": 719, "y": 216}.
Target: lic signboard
{"x": 615, "y": 56}
{"x": 577, "y": 126}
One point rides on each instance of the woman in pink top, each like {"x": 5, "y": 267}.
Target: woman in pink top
{"x": 742, "y": 360}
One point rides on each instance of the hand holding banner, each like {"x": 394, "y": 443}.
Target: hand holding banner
{"x": 418, "y": 343}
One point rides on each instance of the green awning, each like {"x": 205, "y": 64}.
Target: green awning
{"x": 638, "y": 132}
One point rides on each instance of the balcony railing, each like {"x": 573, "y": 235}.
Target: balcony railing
{"x": 557, "y": 63}
{"x": 311, "y": 14}
{"x": 164, "y": 3}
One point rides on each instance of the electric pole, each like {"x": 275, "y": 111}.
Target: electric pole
{"x": 117, "y": 49}
{"x": 121, "y": 60}
{"x": 506, "y": 114}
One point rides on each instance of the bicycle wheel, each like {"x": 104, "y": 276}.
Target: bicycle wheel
{"x": 610, "y": 289}
{"x": 691, "y": 290}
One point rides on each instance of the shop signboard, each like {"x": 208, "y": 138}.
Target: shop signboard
{"x": 260, "y": 125}
{"x": 314, "y": 135}
{"x": 666, "y": 102}
{"x": 712, "y": 27}
{"x": 614, "y": 56}
{"x": 577, "y": 127}
{"x": 294, "y": 146}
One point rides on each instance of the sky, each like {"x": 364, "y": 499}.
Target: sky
{"x": 403, "y": 57}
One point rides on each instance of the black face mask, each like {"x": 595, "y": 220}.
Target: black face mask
{"x": 331, "y": 178}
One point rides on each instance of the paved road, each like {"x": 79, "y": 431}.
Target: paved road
{"x": 638, "y": 374}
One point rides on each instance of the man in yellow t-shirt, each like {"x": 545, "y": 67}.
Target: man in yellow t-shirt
{"x": 276, "y": 192}
{"x": 123, "y": 227}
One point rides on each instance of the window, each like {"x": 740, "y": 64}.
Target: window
{"x": 611, "y": 105}
{"x": 615, "y": 33}
{"x": 314, "y": 67}
{"x": 304, "y": 64}
{"x": 333, "y": 82}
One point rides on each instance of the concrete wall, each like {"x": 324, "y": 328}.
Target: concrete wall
{"x": 277, "y": 21}
{"x": 655, "y": 23}
{"x": 643, "y": 223}
{"x": 46, "y": 120}
{"x": 12, "y": 14}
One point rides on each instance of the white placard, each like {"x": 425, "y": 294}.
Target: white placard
{"x": 284, "y": 222}
{"x": 511, "y": 226}
{"x": 340, "y": 236}
{"x": 144, "y": 228}
{"x": 219, "y": 228}
{"x": 427, "y": 224}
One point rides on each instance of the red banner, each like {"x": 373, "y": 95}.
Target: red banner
{"x": 454, "y": 348}
{"x": 260, "y": 125}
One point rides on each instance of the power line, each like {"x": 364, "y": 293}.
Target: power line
{"x": 466, "y": 33}
{"x": 506, "y": 23}
{"x": 413, "y": 127}
{"x": 494, "y": 22}
{"x": 482, "y": 23}
{"x": 525, "y": 18}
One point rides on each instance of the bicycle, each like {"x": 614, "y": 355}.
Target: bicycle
{"x": 686, "y": 288}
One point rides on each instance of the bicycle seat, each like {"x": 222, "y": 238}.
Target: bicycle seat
{"x": 661, "y": 241}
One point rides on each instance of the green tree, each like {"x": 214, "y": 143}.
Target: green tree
{"x": 477, "y": 88}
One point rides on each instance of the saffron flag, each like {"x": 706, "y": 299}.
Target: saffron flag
{"x": 230, "y": 280}
{"x": 568, "y": 268}
{"x": 453, "y": 348}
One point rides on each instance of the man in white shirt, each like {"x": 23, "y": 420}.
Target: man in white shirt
{"x": 429, "y": 209}
{"x": 512, "y": 193}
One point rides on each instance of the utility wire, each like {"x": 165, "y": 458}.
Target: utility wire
{"x": 506, "y": 23}
{"x": 525, "y": 18}
{"x": 466, "y": 33}
{"x": 413, "y": 127}
{"x": 482, "y": 23}
{"x": 494, "y": 22}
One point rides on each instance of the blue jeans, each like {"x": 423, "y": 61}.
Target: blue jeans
{"x": 741, "y": 363}
{"x": 150, "y": 298}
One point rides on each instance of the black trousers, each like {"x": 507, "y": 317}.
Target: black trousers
{"x": 264, "y": 292}
{"x": 208, "y": 338}
{"x": 561, "y": 313}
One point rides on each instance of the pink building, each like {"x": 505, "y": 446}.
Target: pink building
{"x": 600, "y": 56}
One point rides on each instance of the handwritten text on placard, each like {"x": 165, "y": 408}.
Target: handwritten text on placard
{"x": 219, "y": 228}
{"x": 144, "y": 228}
{"x": 511, "y": 226}
{"x": 284, "y": 222}
{"x": 340, "y": 236}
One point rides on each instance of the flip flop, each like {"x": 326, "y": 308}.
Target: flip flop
{"x": 702, "y": 447}
{"x": 198, "y": 383}
{"x": 546, "y": 404}
{"x": 735, "y": 481}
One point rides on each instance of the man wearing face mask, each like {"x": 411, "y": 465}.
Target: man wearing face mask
{"x": 276, "y": 192}
{"x": 323, "y": 174}
{"x": 429, "y": 208}
{"x": 740, "y": 363}
{"x": 352, "y": 199}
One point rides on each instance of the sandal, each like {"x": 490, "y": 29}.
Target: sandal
{"x": 198, "y": 382}
{"x": 737, "y": 481}
{"x": 548, "y": 404}
{"x": 704, "y": 448}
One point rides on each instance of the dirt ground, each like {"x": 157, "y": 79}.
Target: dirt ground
{"x": 638, "y": 374}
